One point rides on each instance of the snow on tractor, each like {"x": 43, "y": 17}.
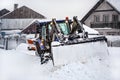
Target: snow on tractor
{"x": 66, "y": 41}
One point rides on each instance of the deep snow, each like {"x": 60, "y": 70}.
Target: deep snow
{"x": 21, "y": 64}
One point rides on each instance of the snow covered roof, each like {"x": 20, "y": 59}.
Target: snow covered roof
{"x": 23, "y": 12}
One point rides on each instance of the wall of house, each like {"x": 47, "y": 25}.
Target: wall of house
{"x": 8, "y": 24}
{"x": 103, "y": 6}
{"x": 91, "y": 17}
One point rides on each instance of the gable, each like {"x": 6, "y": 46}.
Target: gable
{"x": 104, "y": 6}
{"x": 23, "y": 12}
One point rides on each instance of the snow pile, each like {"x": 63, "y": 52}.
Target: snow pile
{"x": 94, "y": 69}
{"x": 113, "y": 38}
{"x": 90, "y": 30}
{"x": 19, "y": 64}
{"x": 115, "y": 62}
{"x": 15, "y": 65}
{"x": 22, "y": 48}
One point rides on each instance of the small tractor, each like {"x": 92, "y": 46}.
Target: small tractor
{"x": 66, "y": 41}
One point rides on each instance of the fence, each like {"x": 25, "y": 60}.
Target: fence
{"x": 113, "y": 41}
{"x": 11, "y": 41}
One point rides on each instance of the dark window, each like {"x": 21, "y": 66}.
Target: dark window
{"x": 105, "y": 18}
{"x": 96, "y": 18}
{"x": 115, "y": 18}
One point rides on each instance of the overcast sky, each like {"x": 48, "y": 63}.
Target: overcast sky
{"x": 55, "y": 8}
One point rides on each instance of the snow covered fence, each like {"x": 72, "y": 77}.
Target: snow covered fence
{"x": 113, "y": 41}
{"x": 11, "y": 41}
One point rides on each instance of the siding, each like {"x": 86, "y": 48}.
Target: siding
{"x": 8, "y": 24}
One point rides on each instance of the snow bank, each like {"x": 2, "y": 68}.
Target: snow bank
{"x": 92, "y": 70}
{"x": 113, "y": 38}
{"x": 90, "y": 30}
{"x": 20, "y": 65}
{"x": 23, "y": 48}
{"x": 27, "y": 67}
{"x": 115, "y": 62}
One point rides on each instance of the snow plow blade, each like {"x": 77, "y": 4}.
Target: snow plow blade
{"x": 79, "y": 50}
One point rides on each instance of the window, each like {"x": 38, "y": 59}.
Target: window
{"x": 44, "y": 32}
{"x": 105, "y": 18}
{"x": 64, "y": 28}
{"x": 115, "y": 18}
{"x": 96, "y": 18}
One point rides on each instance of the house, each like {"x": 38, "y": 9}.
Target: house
{"x": 103, "y": 17}
{"x": 19, "y": 18}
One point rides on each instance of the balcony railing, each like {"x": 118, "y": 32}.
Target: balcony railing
{"x": 115, "y": 25}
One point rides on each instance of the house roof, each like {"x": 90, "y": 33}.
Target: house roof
{"x": 113, "y": 5}
{"x": 3, "y": 11}
{"x": 23, "y": 12}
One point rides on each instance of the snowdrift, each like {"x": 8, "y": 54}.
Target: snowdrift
{"x": 23, "y": 66}
{"x": 90, "y": 30}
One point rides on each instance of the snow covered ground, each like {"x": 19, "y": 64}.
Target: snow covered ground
{"x": 21, "y": 64}
{"x": 114, "y": 62}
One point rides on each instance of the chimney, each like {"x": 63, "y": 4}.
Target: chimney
{"x": 15, "y": 6}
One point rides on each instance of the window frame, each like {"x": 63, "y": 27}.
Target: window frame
{"x": 96, "y": 18}
{"x": 106, "y": 18}
{"x": 115, "y": 18}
